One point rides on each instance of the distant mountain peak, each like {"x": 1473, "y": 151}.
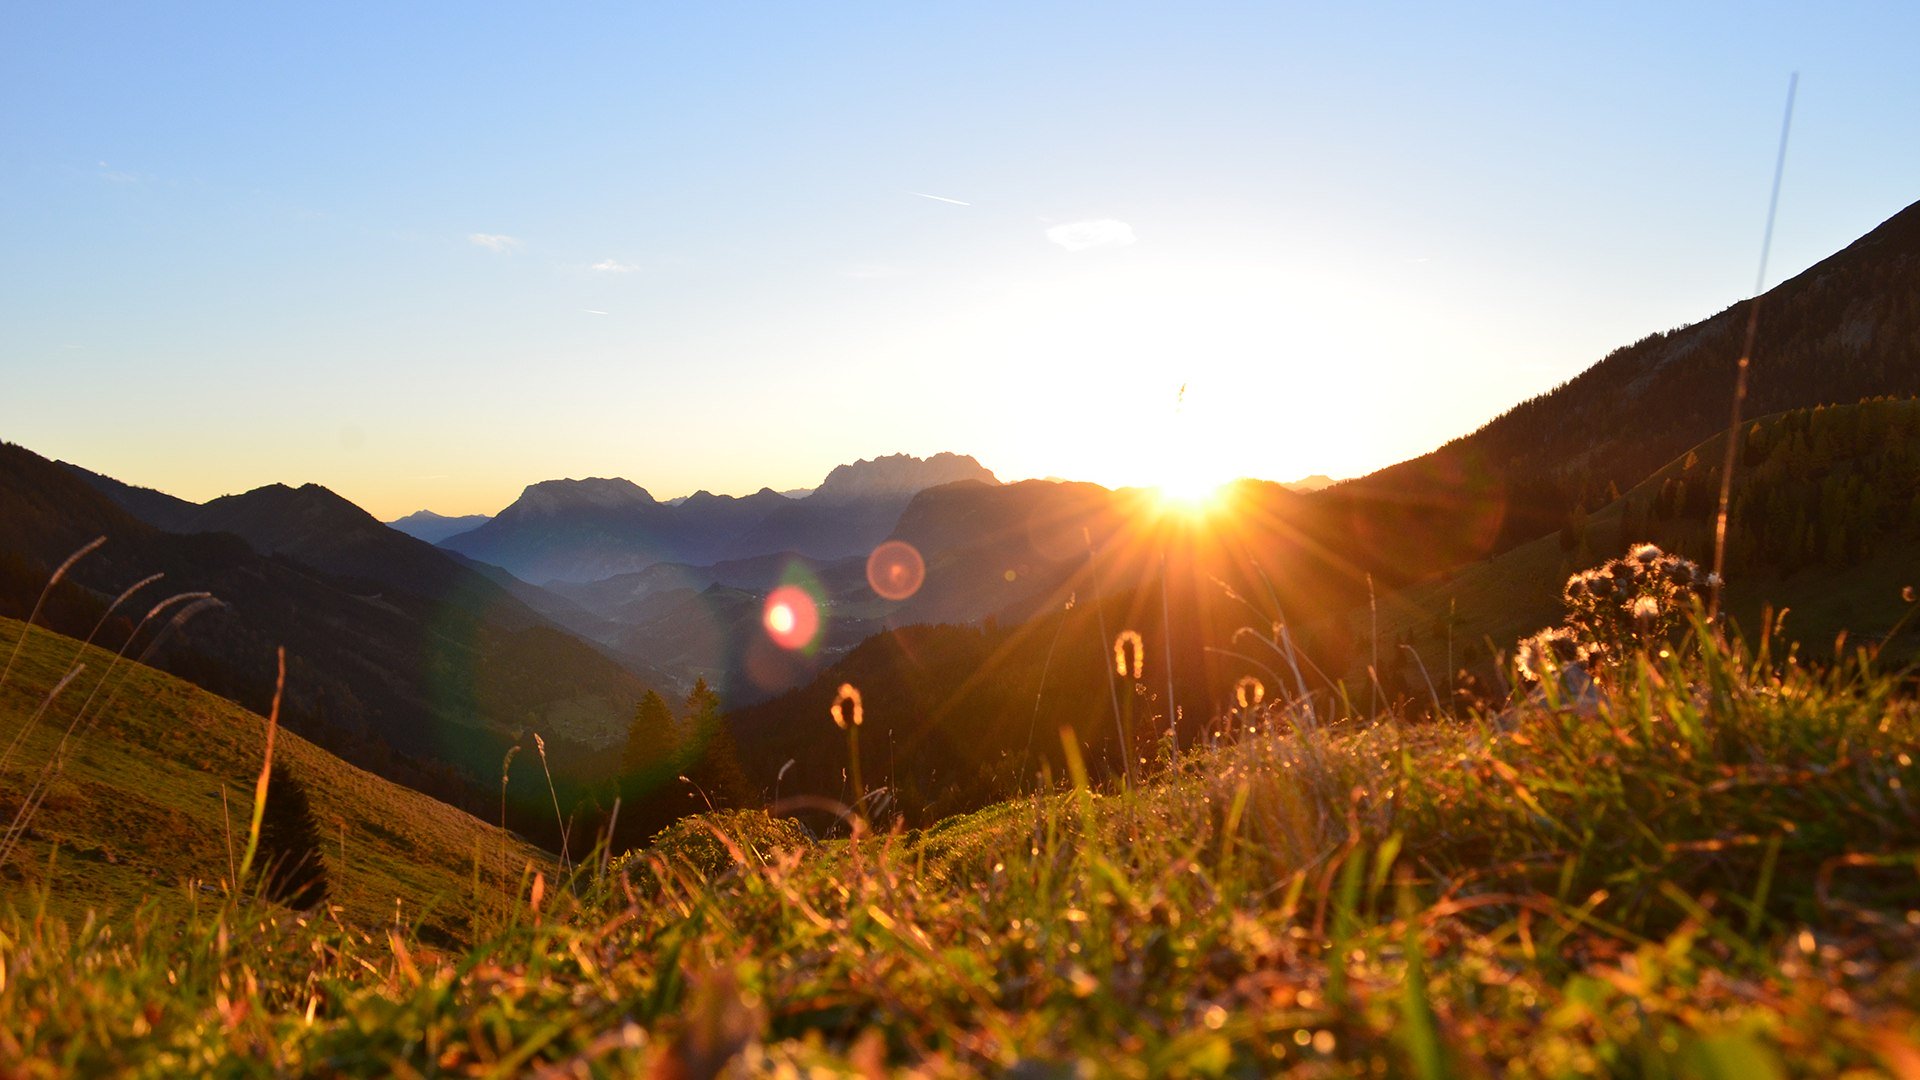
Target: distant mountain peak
{"x": 426, "y": 517}
{"x": 433, "y": 528}
{"x": 899, "y": 474}
{"x": 604, "y": 493}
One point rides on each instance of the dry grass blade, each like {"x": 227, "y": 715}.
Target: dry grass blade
{"x": 46, "y": 590}
{"x": 266, "y": 766}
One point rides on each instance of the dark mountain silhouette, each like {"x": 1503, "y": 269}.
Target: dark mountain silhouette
{"x": 584, "y": 530}
{"x": 1846, "y": 329}
{"x": 855, "y": 507}
{"x": 156, "y": 508}
{"x": 400, "y": 659}
{"x": 591, "y": 530}
{"x": 314, "y": 526}
{"x": 433, "y": 528}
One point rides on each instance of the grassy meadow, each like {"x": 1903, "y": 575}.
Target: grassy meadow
{"x": 136, "y": 815}
{"x": 1711, "y": 869}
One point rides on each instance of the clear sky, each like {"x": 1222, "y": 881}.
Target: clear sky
{"x": 428, "y": 255}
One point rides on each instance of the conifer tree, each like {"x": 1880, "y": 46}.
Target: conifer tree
{"x": 708, "y": 754}
{"x": 290, "y": 844}
{"x": 651, "y": 736}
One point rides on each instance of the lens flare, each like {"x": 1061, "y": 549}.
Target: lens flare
{"x": 790, "y": 617}
{"x": 896, "y": 570}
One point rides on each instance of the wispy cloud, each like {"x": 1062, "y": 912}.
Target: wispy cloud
{"x": 1098, "y": 233}
{"x": 615, "y": 266}
{"x": 592, "y": 311}
{"x": 939, "y": 198}
{"x": 120, "y": 176}
{"x": 494, "y": 242}
{"x": 872, "y": 272}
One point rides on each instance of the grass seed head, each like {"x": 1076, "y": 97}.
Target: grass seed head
{"x": 846, "y": 710}
{"x": 1122, "y": 642}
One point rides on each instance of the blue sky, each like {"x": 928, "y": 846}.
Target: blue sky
{"x": 428, "y": 255}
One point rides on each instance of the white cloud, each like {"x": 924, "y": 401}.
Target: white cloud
{"x": 493, "y": 242}
{"x": 614, "y": 266}
{"x": 1098, "y": 233}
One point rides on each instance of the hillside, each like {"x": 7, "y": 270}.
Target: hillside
{"x": 1846, "y": 329}
{"x": 136, "y": 815}
{"x": 1826, "y": 523}
{"x": 427, "y": 684}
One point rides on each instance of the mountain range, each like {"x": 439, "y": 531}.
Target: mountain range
{"x": 440, "y": 656}
{"x": 588, "y": 530}
{"x": 402, "y": 659}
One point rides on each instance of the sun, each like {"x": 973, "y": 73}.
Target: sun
{"x": 1188, "y": 471}
{"x": 1191, "y": 493}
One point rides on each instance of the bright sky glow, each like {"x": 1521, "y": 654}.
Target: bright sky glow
{"x": 426, "y": 256}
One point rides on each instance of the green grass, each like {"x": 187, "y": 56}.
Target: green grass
{"x": 136, "y": 818}
{"x": 1714, "y": 875}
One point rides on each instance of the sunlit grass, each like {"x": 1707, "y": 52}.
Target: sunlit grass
{"x": 1710, "y": 873}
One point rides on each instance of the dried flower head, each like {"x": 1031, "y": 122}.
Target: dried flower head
{"x": 1615, "y": 609}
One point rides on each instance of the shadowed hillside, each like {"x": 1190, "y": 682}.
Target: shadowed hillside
{"x": 427, "y": 683}
{"x": 137, "y": 812}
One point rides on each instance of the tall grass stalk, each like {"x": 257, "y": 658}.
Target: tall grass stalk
{"x": 266, "y": 768}
{"x": 20, "y": 736}
{"x": 1113, "y": 690}
{"x": 85, "y": 716}
{"x": 540, "y": 746}
{"x": 507, "y": 886}
{"x": 46, "y": 590}
{"x": 1734, "y": 438}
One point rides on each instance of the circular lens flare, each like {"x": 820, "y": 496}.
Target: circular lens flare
{"x": 790, "y": 617}
{"x": 895, "y": 570}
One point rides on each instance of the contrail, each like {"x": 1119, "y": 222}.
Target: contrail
{"x": 939, "y": 198}
{"x": 591, "y": 311}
